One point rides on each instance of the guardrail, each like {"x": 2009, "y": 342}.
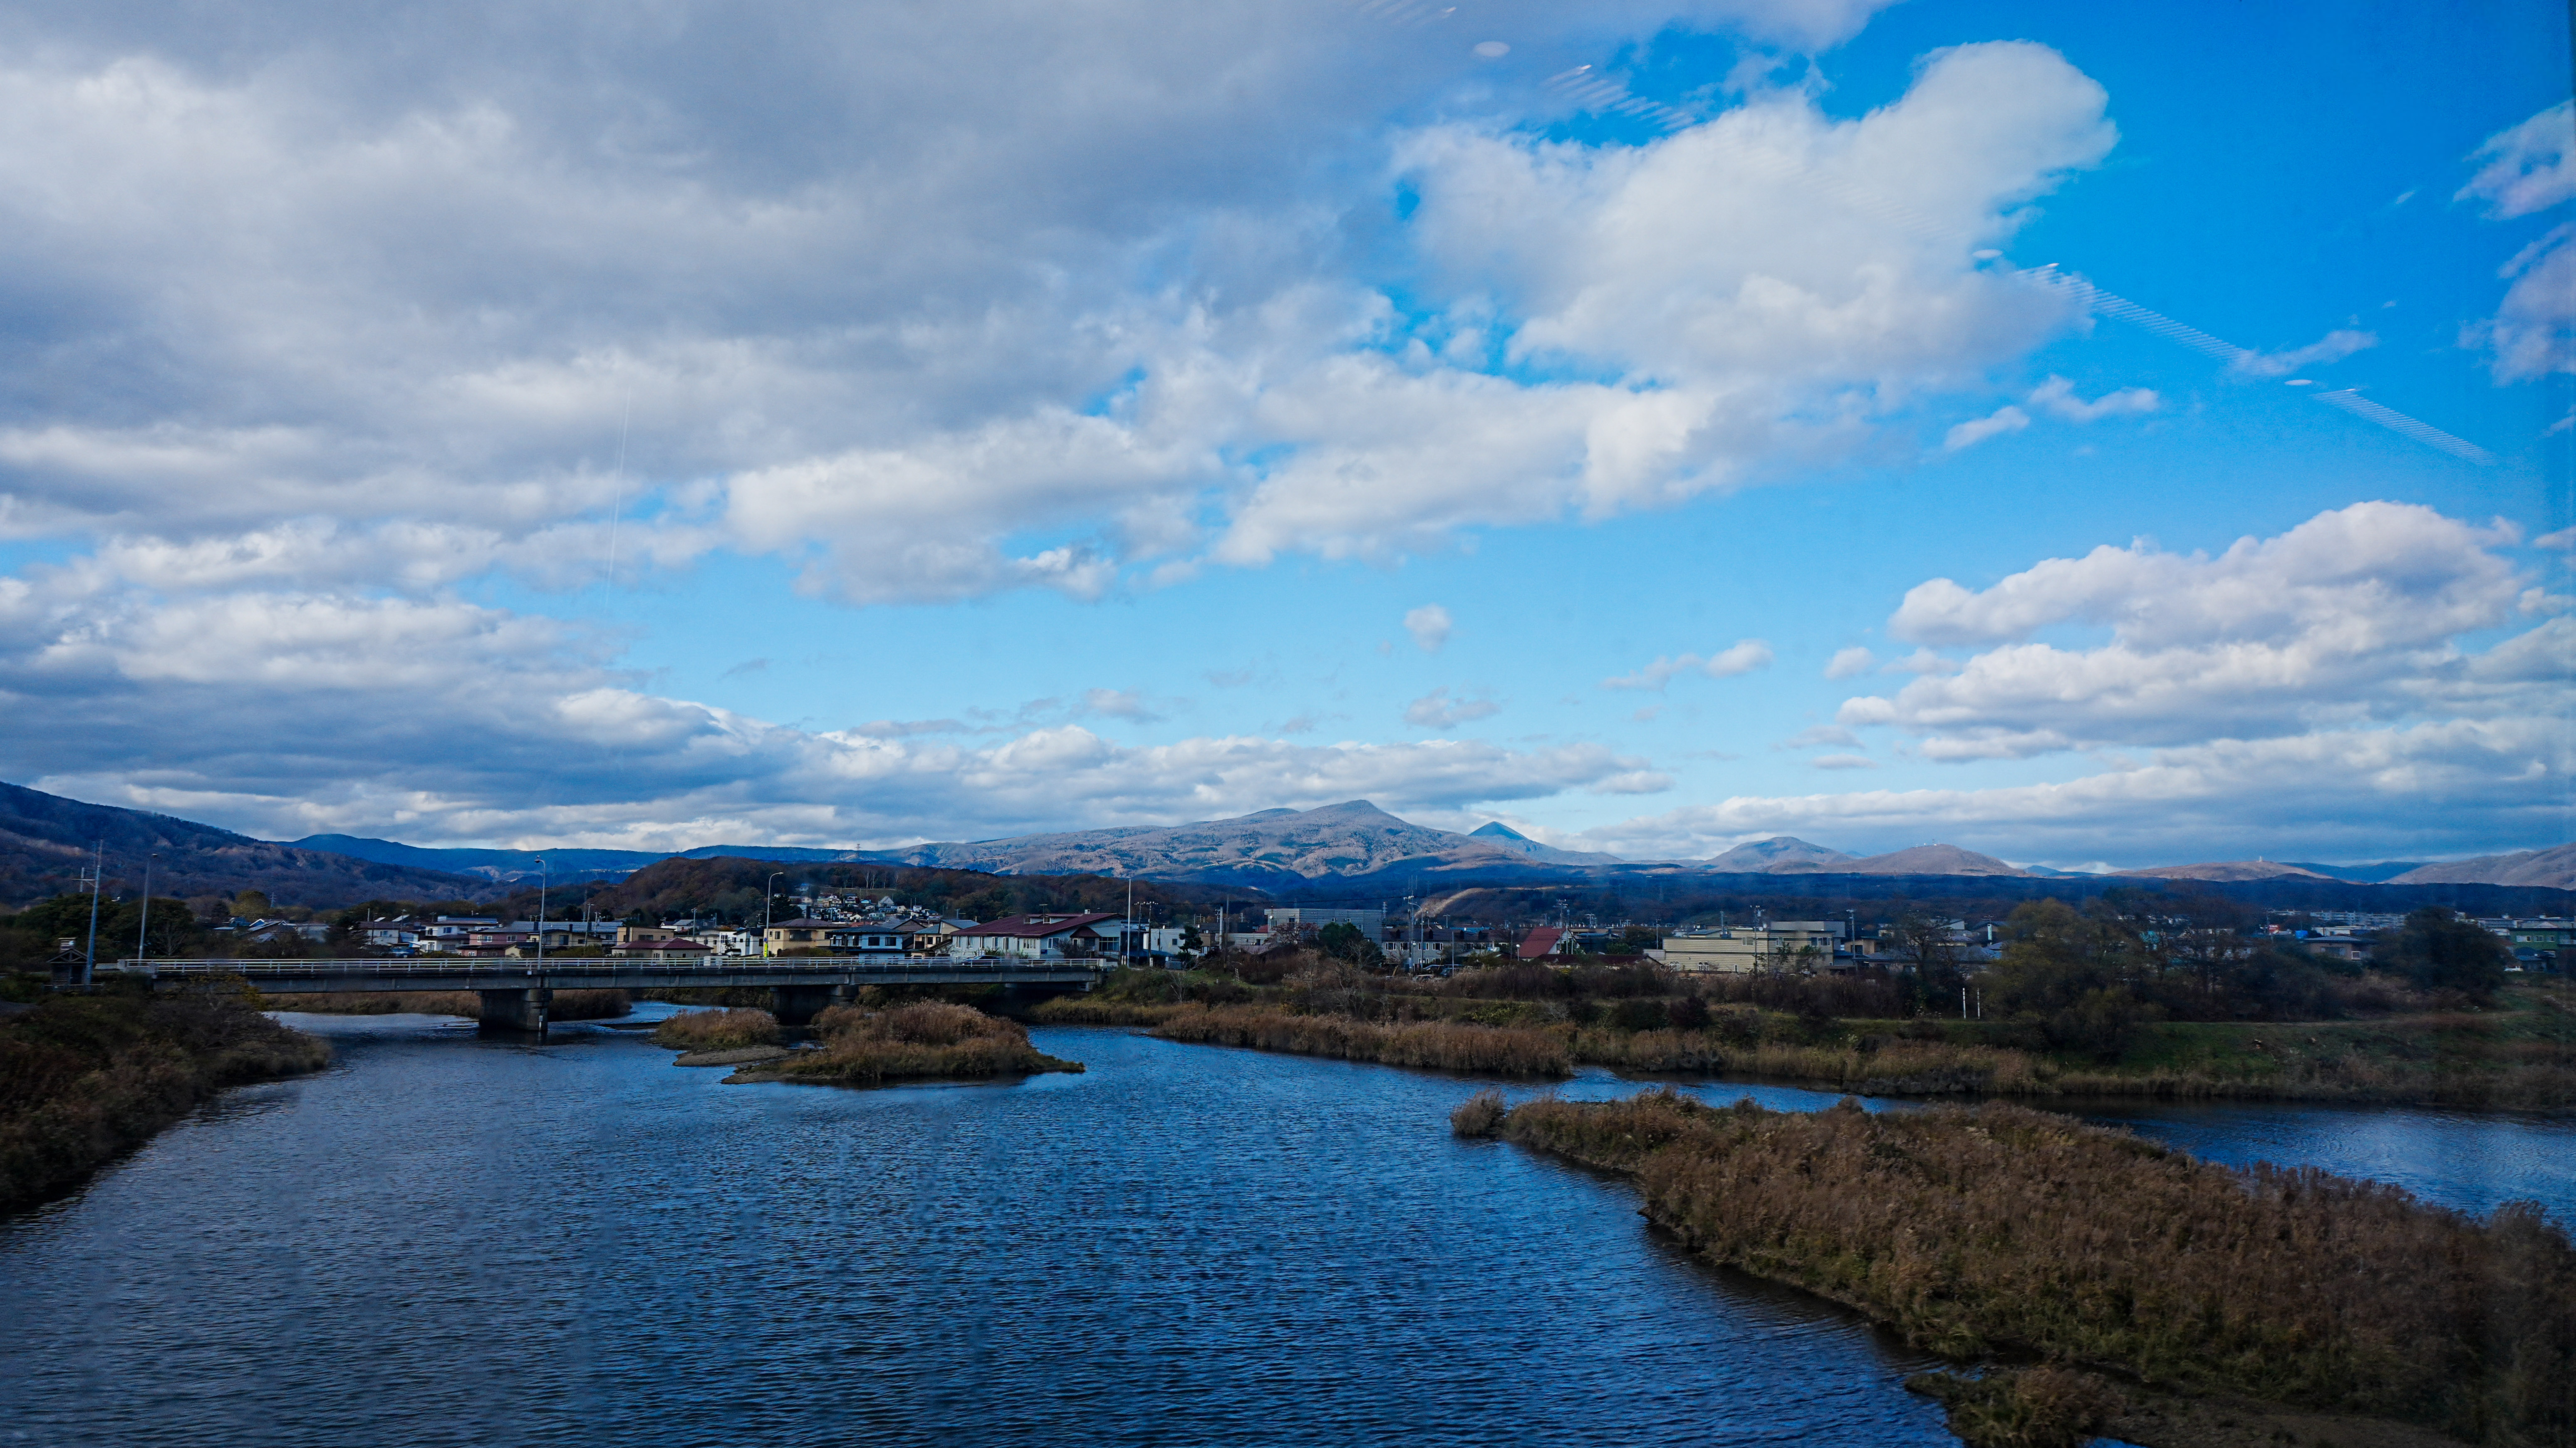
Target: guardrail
{"x": 451, "y": 966}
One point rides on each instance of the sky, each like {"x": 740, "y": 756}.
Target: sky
{"x": 2099, "y": 436}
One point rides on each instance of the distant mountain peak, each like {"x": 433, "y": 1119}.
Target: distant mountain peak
{"x": 1495, "y": 830}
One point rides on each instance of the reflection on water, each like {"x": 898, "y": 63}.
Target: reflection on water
{"x": 449, "y": 1239}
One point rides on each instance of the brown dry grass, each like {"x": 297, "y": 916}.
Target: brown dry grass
{"x": 1446, "y": 1045}
{"x": 717, "y": 1030}
{"x": 83, "y": 1078}
{"x": 1972, "y": 1229}
{"x": 568, "y": 1005}
{"x": 925, "y": 1040}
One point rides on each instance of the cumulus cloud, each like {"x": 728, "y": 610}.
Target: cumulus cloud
{"x": 2348, "y": 618}
{"x": 1429, "y": 626}
{"x": 877, "y": 317}
{"x": 1848, "y": 662}
{"x": 1436, "y": 710}
{"x": 448, "y": 721}
{"x": 1741, "y": 657}
{"x": 2454, "y": 787}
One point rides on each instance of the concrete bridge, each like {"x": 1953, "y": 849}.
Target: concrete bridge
{"x": 515, "y": 993}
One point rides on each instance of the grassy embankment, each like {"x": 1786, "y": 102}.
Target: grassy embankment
{"x": 568, "y": 1005}
{"x": 927, "y": 1040}
{"x": 2518, "y": 1052}
{"x": 2001, "y": 1230}
{"x": 84, "y": 1078}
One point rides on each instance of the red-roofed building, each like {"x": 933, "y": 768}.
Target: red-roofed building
{"x": 1043, "y": 936}
{"x": 1542, "y": 942}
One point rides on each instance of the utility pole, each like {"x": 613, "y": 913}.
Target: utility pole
{"x": 541, "y": 915}
{"x": 766, "y": 889}
{"x": 143, "y": 930}
{"x": 1127, "y": 927}
{"x": 97, "y": 872}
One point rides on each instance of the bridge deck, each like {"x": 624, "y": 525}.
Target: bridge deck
{"x": 429, "y": 973}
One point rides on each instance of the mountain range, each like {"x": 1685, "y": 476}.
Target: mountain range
{"x": 45, "y": 838}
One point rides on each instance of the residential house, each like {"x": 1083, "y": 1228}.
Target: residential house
{"x": 1543, "y": 942}
{"x": 1742, "y": 949}
{"x": 802, "y": 933}
{"x": 1046, "y": 937}
{"x": 1307, "y": 919}
{"x": 870, "y": 938}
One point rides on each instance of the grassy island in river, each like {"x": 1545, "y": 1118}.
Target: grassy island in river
{"x": 924, "y": 1041}
{"x": 1999, "y": 1229}
{"x": 86, "y": 1077}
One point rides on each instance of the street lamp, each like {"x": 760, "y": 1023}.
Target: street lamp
{"x": 766, "y": 887}
{"x": 143, "y": 930}
{"x": 541, "y": 916}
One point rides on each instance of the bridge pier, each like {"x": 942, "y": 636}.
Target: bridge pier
{"x": 798, "y": 1005}
{"x": 523, "y": 1009}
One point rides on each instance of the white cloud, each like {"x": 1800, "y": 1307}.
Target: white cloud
{"x": 2533, "y": 332}
{"x": 1843, "y": 761}
{"x": 1848, "y": 662}
{"x": 1429, "y": 626}
{"x": 301, "y": 288}
{"x": 1436, "y": 710}
{"x": 1821, "y": 734}
{"x": 1741, "y": 657}
{"x": 2332, "y": 347}
{"x": 2529, "y": 167}
{"x": 2450, "y": 787}
{"x": 2347, "y": 618}
{"x": 2057, "y": 398}
{"x": 446, "y": 721}
{"x": 2004, "y": 419}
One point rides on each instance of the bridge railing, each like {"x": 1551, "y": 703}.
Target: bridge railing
{"x": 416, "y": 967}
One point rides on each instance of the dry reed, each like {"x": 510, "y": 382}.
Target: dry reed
{"x": 717, "y": 1030}
{"x": 1974, "y": 1229}
{"x": 1446, "y": 1045}
{"x": 567, "y": 1005}
{"x": 83, "y": 1078}
{"x": 925, "y": 1040}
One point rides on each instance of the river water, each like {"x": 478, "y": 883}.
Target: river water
{"x": 447, "y": 1239}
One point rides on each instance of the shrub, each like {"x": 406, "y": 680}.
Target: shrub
{"x": 2042, "y": 1407}
{"x": 924, "y": 1040}
{"x": 1479, "y": 1114}
{"x": 1972, "y": 1229}
{"x": 717, "y": 1030}
{"x": 1447, "y": 1045}
{"x": 2436, "y": 950}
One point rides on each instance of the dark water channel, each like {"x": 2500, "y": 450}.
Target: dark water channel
{"x": 452, "y": 1240}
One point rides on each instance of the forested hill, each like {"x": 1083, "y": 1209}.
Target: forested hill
{"x": 45, "y": 844}
{"x": 731, "y": 889}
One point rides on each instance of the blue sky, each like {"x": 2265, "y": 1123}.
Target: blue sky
{"x": 652, "y": 429}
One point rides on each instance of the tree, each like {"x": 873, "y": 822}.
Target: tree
{"x": 2063, "y": 973}
{"x": 1343, "y": 941}
{"x": 2437, "y": 950}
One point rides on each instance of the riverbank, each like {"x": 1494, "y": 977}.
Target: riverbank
{"x": 2518, "y": 1053}
{"x": 83, "y": 1079}
{"x": 1997, "y": 1229}
{"x": 567, "y": 1005}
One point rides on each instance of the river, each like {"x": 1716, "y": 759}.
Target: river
{"x": 447, "y": 1239}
